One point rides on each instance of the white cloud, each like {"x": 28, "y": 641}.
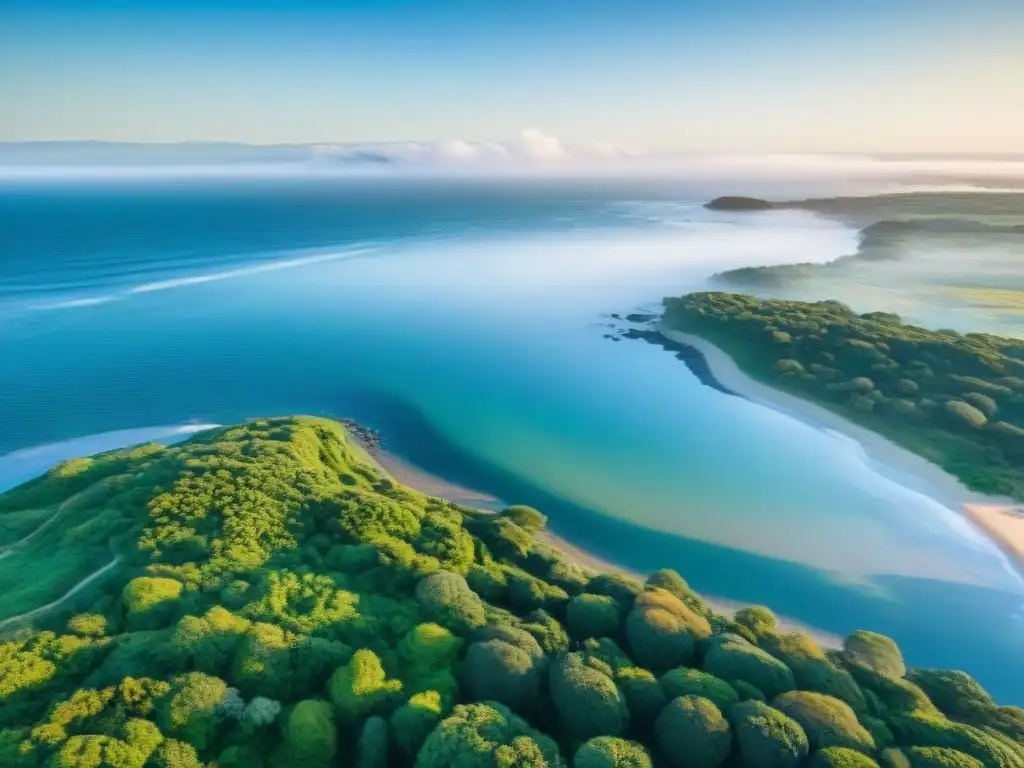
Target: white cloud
{"x": 534, "y": 144}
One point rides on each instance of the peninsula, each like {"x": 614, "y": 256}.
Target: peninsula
{"x": 277, "y": 600}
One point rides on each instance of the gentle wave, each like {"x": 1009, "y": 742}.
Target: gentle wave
{"x": 23, "y": 464}
{"x": 181, "y": 282}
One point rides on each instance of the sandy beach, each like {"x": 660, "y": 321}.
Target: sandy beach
{"x": 413, "y": 477}
{"x": 989, "y": 514}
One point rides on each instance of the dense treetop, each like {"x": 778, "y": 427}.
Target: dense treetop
{"x": 956, "y": 399}
{"x": 269, "y": 600}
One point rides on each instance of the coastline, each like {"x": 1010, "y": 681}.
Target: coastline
{"x": 983, "y": 512}
{"x": 409, "y": 475}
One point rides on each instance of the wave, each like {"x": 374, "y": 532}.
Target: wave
{"x": 25, "y": 463}
{"x": 181, "y": 282}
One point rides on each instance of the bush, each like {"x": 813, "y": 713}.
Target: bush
{"x": 874, "y": 651}
{"x": 360, "y": 687}
{"x": 684, "y": 681}
{"x": 757, "y": 619}
{"x": 955, "y": 693}
{"x": 428, "y": 647}
{"x": 812, "y": 669}
{"x": 413, "y": 721}
{"x": 447, "y": 599}
{"x": 175, "y": 754}
{"x": 610, "y": 752}
{"x": 525, "y": 517}
{"x": 495, "y": 670}
{"x": 88, "y": 625}
{"x": 592, "y": 616}
{"x": 965, "y": 415}
{"x": 662, "y": 631}
{"x": 190, "y": 710}
{"x": 828, "y": 722}
{"x": 739, "y": 660}
{"x": 146, "y": 594}
{"x": 907, "y": 387}
{"x": 487, "y": 735}
{"x": 645, "y": 697}
{"x": 746, "y": 691}
{"x": 671, "y": 581}
{"x": 528, "y": 593}
{"x": 940, "y": 757}
{"x": 692, "y": 733}
{"x": 841, "y": 757}
{"x": 983, "y": 403}
{"x": 372, "y": 750}
{"x": 587, "y": 701}
{"x": 933, "y": 730}
{"x": 767, "y": 738}
{"x": 310, "y": 740}
{"x": 549, "y": 634}
{"x": 893, "y": 758}
{"x": 621, "y": 588}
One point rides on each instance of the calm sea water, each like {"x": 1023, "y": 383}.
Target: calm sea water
{"x": 466, "y": 319}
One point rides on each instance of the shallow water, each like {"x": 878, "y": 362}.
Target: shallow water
{"x": 467, "y": 320}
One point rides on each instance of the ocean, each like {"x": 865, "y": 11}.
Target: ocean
{"x": 468, "y": 320}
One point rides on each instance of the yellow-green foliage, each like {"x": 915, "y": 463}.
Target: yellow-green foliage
{"x": 684, "y": 681}
{"x": 611, "y": 752}
{"x": 587, "y": 701}
{"x": 592, "y": 616}
{"x": 253, "y": 561}
{"x": 692, "y": 733}
{"x": 145, "y": 593}
{"x": 525, "y": 517}
{"x": 766, "y": 738}
{"x": 736, "y": 659}
{"x": 484, "y": 735}
{"x": 874, "y": 651}
{"x": 662, "y": 630}
{"x": 828, "y": 722}
{"x": 841, "y": 757}
{"x": 310, "y": 740}
{"x": 361, "y": 686}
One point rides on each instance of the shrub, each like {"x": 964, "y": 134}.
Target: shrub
{"x": 692, "y": 733}
{"x": 841, "y": 757}
{"x": 828, "y": 722}
{"x": 525, "y": 517}
{"x": 587, "y": 701}
{"x": 933, "y": 730}
{"x": 983, "y": 403}
{"x": 528, "y": 593}
{"x": 874, "y": 651}
{"x": 757, "y": 618}
{"x": 413, "y": 721}
{"x": 487, "y": 735}
{"x": 940, "y": 757}
{"x": 812, "y": 669}
{"x": 669, "y": 580}
{"x": 893, "y": 758}
{"x": 766, "y": 738}
{"x": 310, "y": 740}
{"x": 447, "y": 598}
{"x": 429, "y": 646}
{"x": 645, "y": 697}
{"x": 610, "y": 752}
{"x": 175, "y": 754}
{"x": 190, "y": 710}
{"x": 662, "y": 631}
{"x": 739, "y": 660}
{"x": 965, "y": 415}
{"x": 88, "y": 624}
{"x": 498, "y": 671}
{"x": 592, "y": 616}
{"x": 907, "y": 387}
{"x": 372, "y": 749}
{"x": 955, "y": 693}
{"x": 617, "y": 586}
{"x": 361, "y": 687}
{"x": 746, "y": 691}
{"x": 146, "y": 593}
{"x": 549, "y": 634}
{"x": 788, "y": 367}
{"x": 684, "y": 681}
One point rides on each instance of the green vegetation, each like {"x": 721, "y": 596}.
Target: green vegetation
{"x": 956, "y": 399}
{"x": 277, "y": 603}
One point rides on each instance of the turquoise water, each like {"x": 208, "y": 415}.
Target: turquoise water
{"x": 466, "y": 320}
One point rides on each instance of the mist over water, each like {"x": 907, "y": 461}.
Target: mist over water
{"x": 466, "y": 319}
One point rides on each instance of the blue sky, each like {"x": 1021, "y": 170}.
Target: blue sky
{"x": 792, "y": 75}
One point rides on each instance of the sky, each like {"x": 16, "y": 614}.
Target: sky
{"x": 640, "y": 76}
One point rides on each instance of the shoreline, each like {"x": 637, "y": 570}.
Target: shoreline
{"x": 409, "y": 475}
{"x": 892, "y": 461}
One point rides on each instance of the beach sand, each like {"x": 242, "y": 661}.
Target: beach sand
{"x": 405, "y": 473}
{"x": 987, "y": 513}
{"x": 1004, "y": 523}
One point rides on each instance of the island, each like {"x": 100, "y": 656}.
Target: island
{"x": 739, "y": 203}
{"x": 265, "y": 595}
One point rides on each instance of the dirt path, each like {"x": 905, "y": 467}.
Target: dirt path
{"x": 8, "y": 549}
{"x": 67, "y": 595}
